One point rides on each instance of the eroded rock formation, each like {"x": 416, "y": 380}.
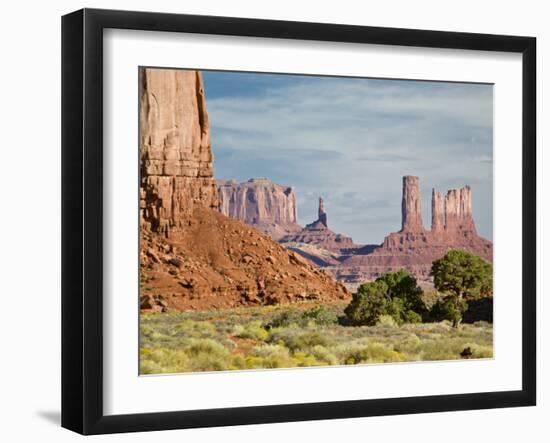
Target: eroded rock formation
{"x": 411, "y": 206}
{"x": 458, "y": 211}
{"x": 175, "y": 152}
{"x": 438, "y": 212}
{"x": 414, "y": 247}
{"x": 318, "y": 234}
{"x": 321, "y": 214}
{"x": 269, "y": 207}
{"x": 191, "y": 256}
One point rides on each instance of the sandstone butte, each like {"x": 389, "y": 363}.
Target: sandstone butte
{"x": 414, "y": 247}
{"x": 272, "y": 209}
{"x": 259, "y": 202}
{"x": 192, "y": 256}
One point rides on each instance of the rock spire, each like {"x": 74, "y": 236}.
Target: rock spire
{"x": 458, "y": 211}
{"x": 322, "y": 215}
{"x": 411, "y": 210}
{"x": 438, "y": 212}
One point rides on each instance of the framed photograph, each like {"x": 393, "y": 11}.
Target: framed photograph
{"x": 269, "y": 221}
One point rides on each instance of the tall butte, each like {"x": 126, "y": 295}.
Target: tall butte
{"x": 191, "y": 255}
{"x": 175, "y": 149}
{"x": 414, "y": 247}
{"x": 411, "y": 205}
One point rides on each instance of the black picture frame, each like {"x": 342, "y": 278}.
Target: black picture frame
{"x": 82, "y": 215}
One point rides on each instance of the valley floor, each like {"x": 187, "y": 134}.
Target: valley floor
{"x": 297, "y": 335}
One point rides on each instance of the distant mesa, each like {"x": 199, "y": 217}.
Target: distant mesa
{"x": 269, "y": 207}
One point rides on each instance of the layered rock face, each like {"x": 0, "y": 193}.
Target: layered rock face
{"x": 318, "y": 234}
{"x": 458, "y": 211}
{"x": 191, "y": 256}
{"x": 411, "y": 207}
{"x": 175, "y": 152}
{"x": 438, "y": 212}
{"x": 269, "y": 207}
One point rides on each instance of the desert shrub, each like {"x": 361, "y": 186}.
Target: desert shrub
{"x": 320, "y": 315}
{"x": 448, "y": 308}
{"x": 305, "y": 360}
{"x": 269, "y": 356}
{"x": 323, "y": 355}
{"x": 270, "y": 351}
{"x": 386, "y": 321}
{"x": 411, "y": 317}
{"x": 207, "y": 355}
{"x": 287, "y": 318}
{"x": 356, "y": 353}
{"x": 195, "y": 329}
{"x": 297, "y": 339}
{"x": 395, "y": 294}
{"x": 408, "y": 345}
{"x": 253, "y": 330}
{"x": 162, "y": 360}
{"x": 479, "y": 351}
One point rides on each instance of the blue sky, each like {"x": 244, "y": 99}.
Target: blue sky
{"x": 351, "y": 140}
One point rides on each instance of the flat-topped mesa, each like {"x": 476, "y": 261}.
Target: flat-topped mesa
{"x": 411, "y": 208}
{"x": 259, "y": 202}
{"x": 176, "y": 173}
{"x": 458, "y": 211}
{"x": 322, "y": 215}
{"x": 438, "y": 212}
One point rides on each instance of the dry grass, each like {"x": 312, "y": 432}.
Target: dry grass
{"x": 295, "y": 336}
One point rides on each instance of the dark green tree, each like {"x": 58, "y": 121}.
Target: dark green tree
{"x": 403, "y": 286}
{"x": 461, "y": 276}
{"x": 368, "y": 303}
{"x": 394, "y": 293}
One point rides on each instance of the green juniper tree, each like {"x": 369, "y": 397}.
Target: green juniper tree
{"x": 394, "y": 293}
{"x": 461, "y": 276}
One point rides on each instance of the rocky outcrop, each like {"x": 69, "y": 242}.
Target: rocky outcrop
{"x": 191, "y": 256}
{"x": 414, "y": 247}
{"x": 458, "y": 212}
{"x": 411, "y": 207}
{"x": 176, "y": 173}
{"x": 438, "y": 212}
{"x": 269, "y": 207}
{"x": 318, "y": 234}
{"x": 321, "y": 214}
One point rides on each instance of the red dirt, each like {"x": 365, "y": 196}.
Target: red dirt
{"x": 218, "y": 262}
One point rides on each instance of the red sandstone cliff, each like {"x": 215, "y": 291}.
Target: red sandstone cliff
{"x": 175, "y": 152}
{"x": 269, "y": 207}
